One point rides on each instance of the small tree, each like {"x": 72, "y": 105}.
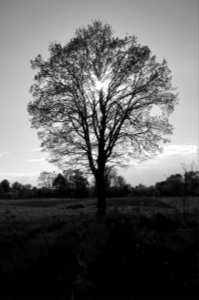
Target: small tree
{"x": 5, "y": 185}
{"x": 100, "y": 100}
{"x": 61, "y": 185}
{"x": 2, "y": 193}
{"x": 17, "y": 190}
{"x": 119, "y": 187}
{"x": 175, "y": 184}
{"x": 190, "y": 188}
{"x": 45, "y": 179}
{"x": 191, "y": 179}
{"x": 78, "y": 182}
{"x": 59, "y": 182}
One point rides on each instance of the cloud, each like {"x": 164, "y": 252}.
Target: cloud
{"x": 36, "y": 150}
{"x": 18, "y": 174}
{"x": 180, "y": 149}
{"x": 172, "y": 155}
{"x": 171, "y": 161}
{"x": 42, "y": 159}
{"x": 22, "y": 177}
{"x": 2, "y": 153}
{"x": 148, "y": 164}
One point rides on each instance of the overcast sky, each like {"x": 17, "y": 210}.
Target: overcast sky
{"x": 169, "y": 28}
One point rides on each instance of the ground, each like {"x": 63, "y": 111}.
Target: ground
{"x": 56, "y": 249}
{"x": 29, "y": 209}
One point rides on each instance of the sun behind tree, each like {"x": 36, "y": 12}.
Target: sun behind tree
{"x": 92, "y": 102}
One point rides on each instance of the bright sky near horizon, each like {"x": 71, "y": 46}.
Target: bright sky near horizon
{"x": 27, "y": 27}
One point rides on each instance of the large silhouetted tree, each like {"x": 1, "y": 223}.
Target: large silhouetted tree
{"x": 96, "y": 99}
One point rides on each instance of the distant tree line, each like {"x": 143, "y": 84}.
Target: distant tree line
{"x": 179, "y": 185}
{"x": 75, "y": 184}
{"x": 17, "y": 190}
{"x": 175, "y": 185}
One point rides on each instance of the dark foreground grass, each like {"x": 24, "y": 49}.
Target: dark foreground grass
{"x": 118, "y": 257}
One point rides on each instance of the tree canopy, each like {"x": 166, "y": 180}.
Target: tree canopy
{"x": 96, "y": 99}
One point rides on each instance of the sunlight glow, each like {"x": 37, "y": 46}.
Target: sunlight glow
{"x": 99, "y": 85}
{"x": 102, "y": 84}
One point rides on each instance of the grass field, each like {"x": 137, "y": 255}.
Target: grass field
{"x": 36, "y": 208}
{"x": 57, "y": 249}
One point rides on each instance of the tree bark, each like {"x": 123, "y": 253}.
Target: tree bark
{"x": 101, "y": 193}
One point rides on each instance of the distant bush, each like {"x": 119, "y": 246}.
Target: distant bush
{"x": 142, "y": 190}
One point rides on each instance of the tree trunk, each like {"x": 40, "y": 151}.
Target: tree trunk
{"x": 101, "y": 195}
